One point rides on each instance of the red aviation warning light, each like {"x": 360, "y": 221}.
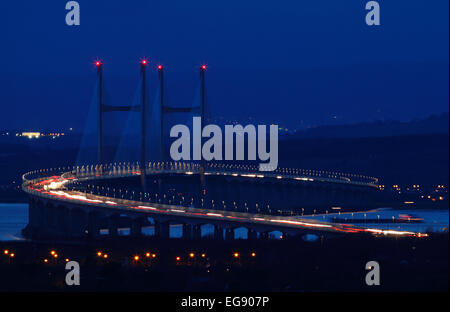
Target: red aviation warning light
{"x": 160, "y": 67}
{"x": 203, "y": 67}
{"x": 144, "y": 62}
{"x": 98, "y": 63}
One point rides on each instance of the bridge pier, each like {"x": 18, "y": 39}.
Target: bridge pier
{"x": 40, "y": 219}
{"x": 197, "y": 231}
{"x": 264, "y": 235}
{"x": 229, "y": 234}
{"x": 78, "y": 222}
{"x": 251, "y": 234}
{"x": 33, "y": 214}
{"x": 67, "y": 222}
{"x": 136, "y": 227}
{"x": 47, "y": 217}
{"x": 59, "y": 215}
{"x": 162, "y": 229}
{"x": 218, "y": 232}
{"x": 113, "y": 225}
{"x": 187, "y": 231}
{"x": 34, "y": 218}
{"x": 93, "y": 227}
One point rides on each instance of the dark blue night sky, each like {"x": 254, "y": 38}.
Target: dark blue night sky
{"x": 287, "y": 62}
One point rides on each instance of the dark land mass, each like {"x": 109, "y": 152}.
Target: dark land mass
{"x": 435, "y": 124}
{"x": 290, "y": 265}
{"x": 403, "y": 160}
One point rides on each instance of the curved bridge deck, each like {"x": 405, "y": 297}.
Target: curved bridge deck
{"x": 55, "y": 208}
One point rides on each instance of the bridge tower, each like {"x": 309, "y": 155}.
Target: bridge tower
{"x": 168, "y": 110}
{"x": 202, "y": 118}
{"x": 104, "y": 108}
{"x": 196, "y": 109}
{"x": 100, "y": 111}
{"x": 143, "y": 120}
{"x": 202, "y": 94}
{"x": 161, "y": 106}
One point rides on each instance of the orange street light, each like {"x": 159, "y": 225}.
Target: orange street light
{"x": 6, "y": 251}
{"x": 191, "y": 255}
{"x": 236, "y": 255}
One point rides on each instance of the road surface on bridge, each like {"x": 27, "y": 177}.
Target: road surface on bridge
{"x": 53, "y": 188}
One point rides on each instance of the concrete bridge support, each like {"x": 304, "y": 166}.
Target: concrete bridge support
{"x": 40, "y": 222}
{"x": 113, "y": 225}
{"x": 136, "y": 227}
{"x": 79, "y": 222}
{"x": 47, "y": 217}
{"x": 60, "y": 218}
{"x": 229, "y": 234}
{"x": 162, "y": 229}
{"x": 68, "y": 222}
{"x": 218, "y": 232}
{"x": 187, "y": 231}
{"x": 251, "y": 234}
{"x": 33, "y": 214}
{"x": 93, "y": 225}
{"x": 197, "y": 231}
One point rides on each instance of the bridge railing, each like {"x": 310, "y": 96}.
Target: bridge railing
{"x": 129, "y": 168}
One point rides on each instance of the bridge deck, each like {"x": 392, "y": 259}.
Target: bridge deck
{"x": 52, "y": 187}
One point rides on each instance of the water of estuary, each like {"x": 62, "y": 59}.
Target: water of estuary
{"x": 14, "y": 217}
